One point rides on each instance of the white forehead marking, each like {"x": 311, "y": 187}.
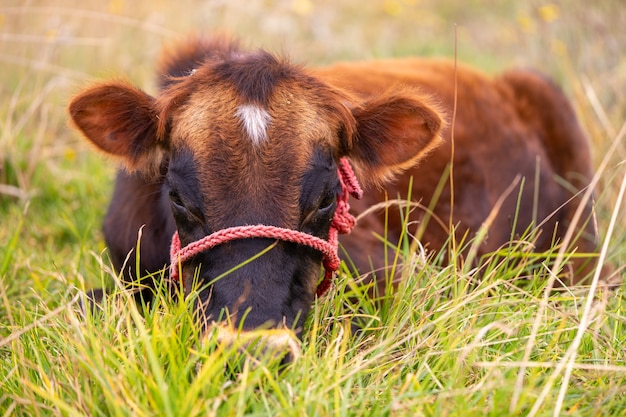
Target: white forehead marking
{"x": 255, "y": 121}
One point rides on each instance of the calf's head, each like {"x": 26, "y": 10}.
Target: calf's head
{"x": 249, "y": 139}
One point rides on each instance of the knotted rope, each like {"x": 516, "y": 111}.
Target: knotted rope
{"x": 342, "y": 222}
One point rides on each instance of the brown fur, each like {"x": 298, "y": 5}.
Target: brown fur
{"x": 505, "y": 127}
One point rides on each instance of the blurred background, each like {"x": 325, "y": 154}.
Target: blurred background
{"x": 54, "y": 188}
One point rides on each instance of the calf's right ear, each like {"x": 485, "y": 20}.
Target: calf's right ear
{"x": 119, "y": 119}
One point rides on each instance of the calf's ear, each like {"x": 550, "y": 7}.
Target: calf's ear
{"x": 119, "y": 119}
{"x": 393, "y": 132}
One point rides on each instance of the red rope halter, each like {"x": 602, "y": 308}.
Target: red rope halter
{"x": 342, "y": 222}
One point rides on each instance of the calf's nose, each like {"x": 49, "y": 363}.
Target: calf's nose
{"x": 262, "y": 344}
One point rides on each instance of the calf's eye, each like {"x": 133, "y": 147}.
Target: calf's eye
{"x": 327, "y": 201}
{"x": 175, "y": 199}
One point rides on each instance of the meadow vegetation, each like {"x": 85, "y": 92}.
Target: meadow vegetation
{"x": 444, "y": 343}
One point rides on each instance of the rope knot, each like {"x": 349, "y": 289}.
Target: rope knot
{"x": 343, "y": 221}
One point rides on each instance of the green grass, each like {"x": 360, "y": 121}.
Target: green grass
{"x": 444, "y": 343}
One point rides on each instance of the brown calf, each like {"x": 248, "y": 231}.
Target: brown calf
{"x": 244, "y": 138}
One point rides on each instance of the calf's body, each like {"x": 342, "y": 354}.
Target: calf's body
{"x": 518, "y": 124}
{"x": 242, "y": 138}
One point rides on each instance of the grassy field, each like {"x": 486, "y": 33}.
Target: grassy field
{"x": 435, "y": 347}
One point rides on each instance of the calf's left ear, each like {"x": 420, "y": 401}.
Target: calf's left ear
{"x": 119, "y": 119}
{"x": 393, "y": 132}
